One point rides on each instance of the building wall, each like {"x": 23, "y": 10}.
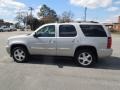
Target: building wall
{"x": 116, "y": 27}
{"x": 119, "y": 19}
{"x": 2, "y": 23}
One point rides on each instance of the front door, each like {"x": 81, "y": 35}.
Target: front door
{"x": 45, "y": 42}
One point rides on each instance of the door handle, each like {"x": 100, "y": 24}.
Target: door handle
{"x": 51, "y": 41}
{"x": 73, "y": 40}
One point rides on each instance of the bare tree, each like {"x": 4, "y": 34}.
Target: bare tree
{"x": 67, "y": 16}
{"x": 20, "y": 17}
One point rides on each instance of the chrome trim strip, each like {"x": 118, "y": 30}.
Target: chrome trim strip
{"x": 43, "y": 48}
{"x": 63, "y": 48}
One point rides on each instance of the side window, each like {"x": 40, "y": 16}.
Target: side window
{"x": 47, "y": 31}
{"x": 67, "y": 31}
{"x": 93, "y": 30}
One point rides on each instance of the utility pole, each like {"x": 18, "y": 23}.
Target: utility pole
{"x": 31, "y": 16}
{"x": 85, "y": 13}
{"x": 31, "y": 9}
{"x": 26, "y": 19}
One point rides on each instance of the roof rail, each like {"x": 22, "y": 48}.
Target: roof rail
{"x": 87, "y": 22}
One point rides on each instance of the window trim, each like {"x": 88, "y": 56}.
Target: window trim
{"x": 44, "y": 27}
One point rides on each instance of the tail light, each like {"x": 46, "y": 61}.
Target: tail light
{"x": 109, "y": 44}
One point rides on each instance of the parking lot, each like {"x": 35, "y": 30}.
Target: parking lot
{"x": 50, "y": 73}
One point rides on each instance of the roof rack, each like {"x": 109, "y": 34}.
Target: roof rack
{"x": 87, "y": 22}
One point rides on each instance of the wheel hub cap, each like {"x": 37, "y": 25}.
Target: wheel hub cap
{"x": 19, "y": 54}
{"x": 85, "y": 58}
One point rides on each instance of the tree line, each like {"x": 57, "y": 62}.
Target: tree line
{"x": 46, "y": 15}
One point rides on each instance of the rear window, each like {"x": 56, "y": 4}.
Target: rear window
{"x": 93, "y": 30}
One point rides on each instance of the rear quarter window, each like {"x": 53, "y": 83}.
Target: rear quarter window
{"x": 93, "y": 30}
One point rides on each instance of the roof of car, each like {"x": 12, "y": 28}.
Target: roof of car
{"x": 74, "y": 23}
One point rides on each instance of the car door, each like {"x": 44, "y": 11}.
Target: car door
{"x": 45, "y": 42}
{"x": 66, "y": 40}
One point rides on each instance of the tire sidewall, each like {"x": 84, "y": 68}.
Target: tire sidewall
{"x": 26, "y": 54}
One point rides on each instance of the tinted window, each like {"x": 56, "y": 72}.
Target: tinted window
{"x": 67, "y": 31}
{"x": 93, "y": 30}
{"x": 47, "y": 31}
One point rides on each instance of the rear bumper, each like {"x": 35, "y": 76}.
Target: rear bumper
{"x": 104, "y": 52}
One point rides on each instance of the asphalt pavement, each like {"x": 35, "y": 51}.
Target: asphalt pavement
{"x": 58, "y": 73}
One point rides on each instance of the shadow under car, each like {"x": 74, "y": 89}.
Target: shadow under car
{"x": 112, "y": 63}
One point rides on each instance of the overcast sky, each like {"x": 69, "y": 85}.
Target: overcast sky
{"x": 100, "y": 10}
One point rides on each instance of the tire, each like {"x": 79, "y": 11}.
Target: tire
{"x": 20, "y": 54}
{"x": 1, "y": 30}
{"x": 85, "y": 58}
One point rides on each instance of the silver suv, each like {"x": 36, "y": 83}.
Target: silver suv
{"x": 86, "y": 42}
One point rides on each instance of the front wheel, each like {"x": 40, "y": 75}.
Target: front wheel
{"x": 20, "y": 54}
{"x": 1, "y": 30}
{"x": 85, "y": 58}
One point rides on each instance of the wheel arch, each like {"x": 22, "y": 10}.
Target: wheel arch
{"x": 88, "y": 47}
{"x": 18, "y": 45}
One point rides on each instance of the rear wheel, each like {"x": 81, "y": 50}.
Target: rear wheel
{"x": 20, "y": 54}
{"x": 85, "y": 58}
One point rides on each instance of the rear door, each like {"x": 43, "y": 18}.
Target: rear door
{"x": 66, "y": 40}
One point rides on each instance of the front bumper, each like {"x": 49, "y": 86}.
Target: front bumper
{"x": 8, "y": 49}
{"x": 104, "y": 52}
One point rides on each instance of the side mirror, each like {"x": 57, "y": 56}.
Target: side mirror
{"x": 35, "y": 35}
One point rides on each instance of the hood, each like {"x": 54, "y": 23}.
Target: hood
{"x": 18, "y": 36}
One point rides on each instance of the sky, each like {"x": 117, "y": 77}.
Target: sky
{"x": 98, "y": 10}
